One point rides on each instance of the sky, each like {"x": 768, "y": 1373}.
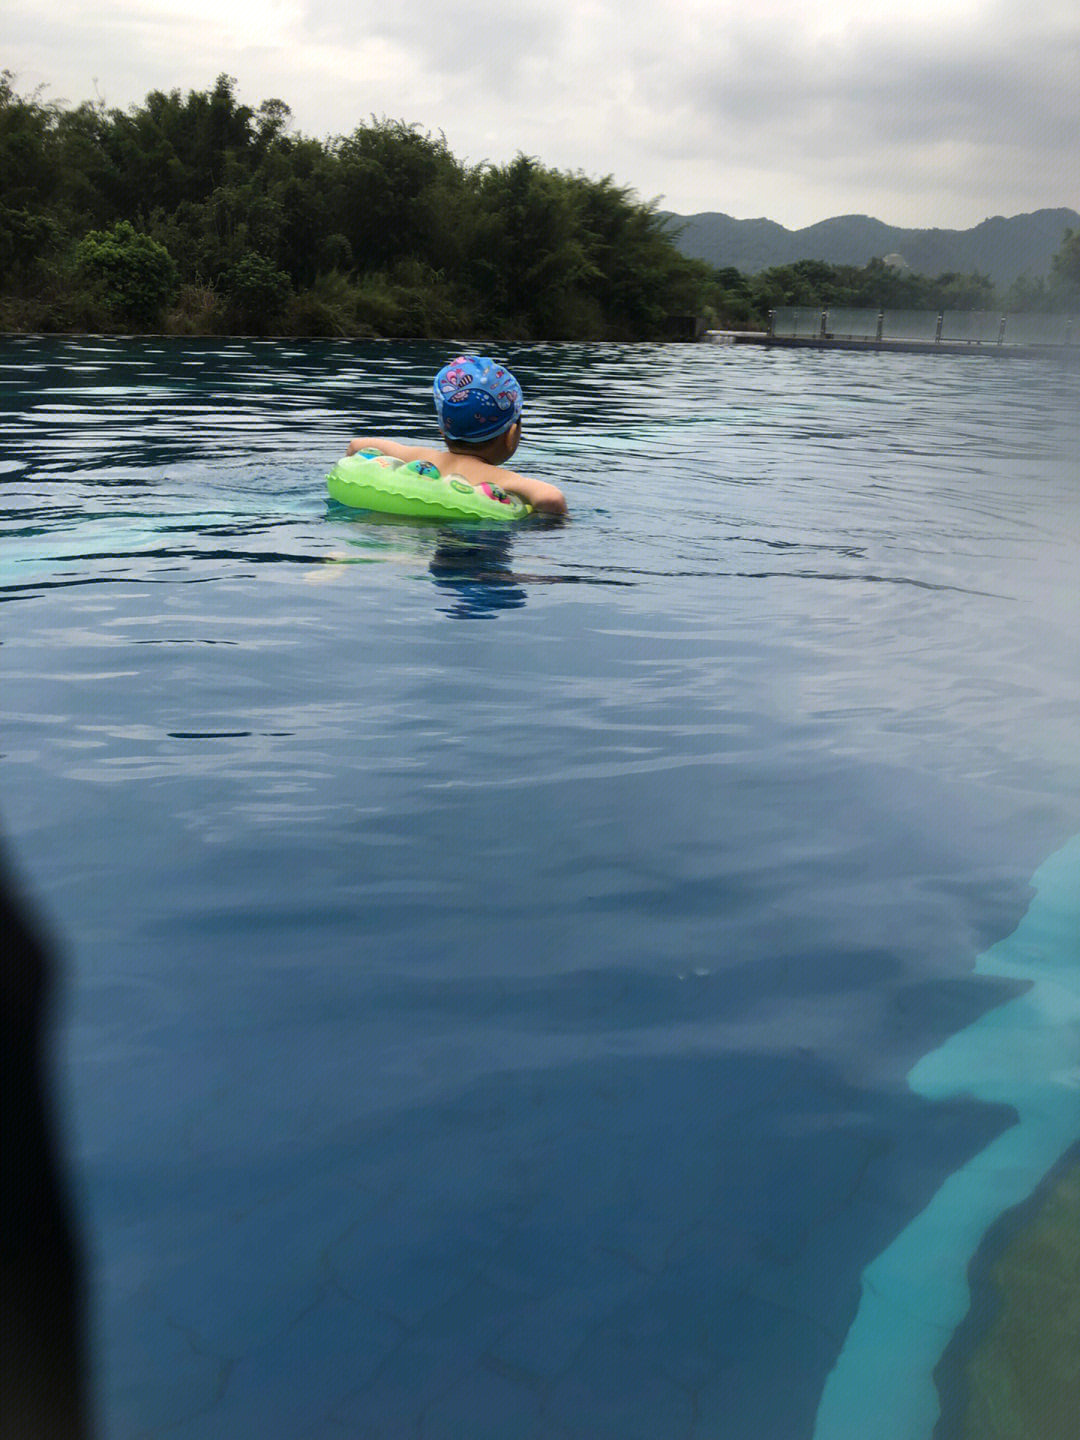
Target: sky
{"x": 930, "y": 112}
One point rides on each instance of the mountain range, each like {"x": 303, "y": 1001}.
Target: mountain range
{"x": 1002, "y": 248}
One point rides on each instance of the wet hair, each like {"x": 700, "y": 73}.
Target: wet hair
{"x": 474, "y": 447}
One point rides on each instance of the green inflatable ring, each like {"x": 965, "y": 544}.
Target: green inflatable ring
{"x": 369, "y": 481}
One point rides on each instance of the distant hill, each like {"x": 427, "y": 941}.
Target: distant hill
{"x": 1001, "y": 248}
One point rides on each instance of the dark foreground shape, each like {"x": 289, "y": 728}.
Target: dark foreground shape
{"x": 43, "y": 1390}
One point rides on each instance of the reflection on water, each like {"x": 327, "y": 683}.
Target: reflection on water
{"x": 474, "y": 566}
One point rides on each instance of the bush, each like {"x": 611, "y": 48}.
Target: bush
{"x": 327, "y": 309}
{"x": 197, "y": 312}
{"x": 377, "y": 306}
{"x": 256, "y": 291}
{"x": 130, "y": 273}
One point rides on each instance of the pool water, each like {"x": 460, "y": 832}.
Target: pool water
{"x": 598, "y": 980}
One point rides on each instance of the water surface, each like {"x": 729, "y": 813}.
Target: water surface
{"x": 505, "y": 969}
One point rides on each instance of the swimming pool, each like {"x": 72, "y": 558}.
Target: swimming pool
{"x": 604, "y": 980}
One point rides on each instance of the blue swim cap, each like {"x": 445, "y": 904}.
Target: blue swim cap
{"x": 476, "y": 399}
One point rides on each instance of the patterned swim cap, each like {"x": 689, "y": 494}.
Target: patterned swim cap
{"x": 476, "y": 399}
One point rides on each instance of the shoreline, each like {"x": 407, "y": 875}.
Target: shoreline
{"x": 283, "y": 337}
{"x": 759, "y": 338}
{"x": 904, "y": 347}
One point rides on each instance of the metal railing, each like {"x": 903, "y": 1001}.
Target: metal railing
{"x": 929, "y": 327}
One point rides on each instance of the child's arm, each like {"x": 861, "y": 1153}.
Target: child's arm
{"x": 387, "y": 447}
{"x": 537, "y": 493}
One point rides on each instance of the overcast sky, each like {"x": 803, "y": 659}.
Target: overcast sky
{"x": 929, "y": 112}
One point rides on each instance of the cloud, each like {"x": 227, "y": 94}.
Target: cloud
{"x": 930, "y": 113}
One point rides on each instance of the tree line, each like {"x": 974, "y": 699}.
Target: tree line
{"x": 198, "y": 214}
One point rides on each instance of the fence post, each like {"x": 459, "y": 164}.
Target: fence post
{"x": 1001, "y": 331}
{"x": 880, "y": 324}
{"x": 937, "y": 332}
{"x": 824, "y": 323}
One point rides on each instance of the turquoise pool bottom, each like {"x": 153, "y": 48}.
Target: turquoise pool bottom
{"x": 1021, "y": 1055}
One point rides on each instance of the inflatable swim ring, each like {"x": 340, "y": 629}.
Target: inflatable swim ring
{"x": 369, "y": 481}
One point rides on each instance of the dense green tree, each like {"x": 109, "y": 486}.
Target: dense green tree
{"x": 133, "y": 275}
{"x": 86, "y": 172}
{"x": 175, "y": 148}
{"x": 965, "y": 292}
{"x": 528, "y": 261}
{"x": 28, "y": 161}
{"x": 380, "y": 232}
{"x": 641, "y": 276}
{"x": 25, "y": 240}
{"x": 388, "y": 192}
{"x": 1026, "y": 293}
{"x": 1066, "y": 266}
{"x": 876, "y": 285}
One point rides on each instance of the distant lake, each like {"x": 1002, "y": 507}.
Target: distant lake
{"x": 538, "y": 982}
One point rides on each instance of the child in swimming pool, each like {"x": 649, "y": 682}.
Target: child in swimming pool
{"x": 478, "y": 404}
